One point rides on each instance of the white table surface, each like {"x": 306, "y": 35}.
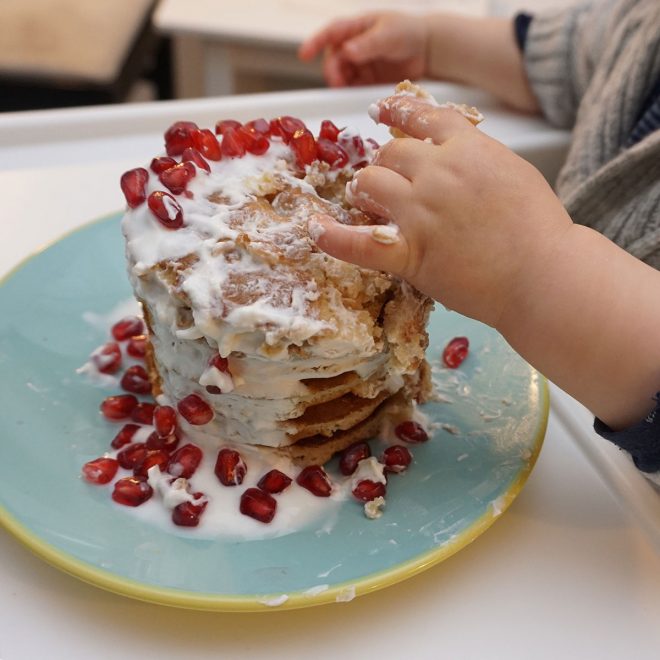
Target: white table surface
{"x": 565, "y": 573}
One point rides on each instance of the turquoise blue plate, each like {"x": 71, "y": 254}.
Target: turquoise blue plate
{"x": 488, "y": 434}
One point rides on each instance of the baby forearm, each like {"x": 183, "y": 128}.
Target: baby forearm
{"x": 481, "y": 52}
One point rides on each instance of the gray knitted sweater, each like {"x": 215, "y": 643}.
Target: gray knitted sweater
{"x": 592, "y": 67}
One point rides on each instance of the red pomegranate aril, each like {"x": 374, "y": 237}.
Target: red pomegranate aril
{"x": 179, "y": 136}
{"x": 132, "y": 491}
{"x": 184, "y": 461}
{"x": 328, "y": 131}
{"x": 207, "y": 144}
{"x": 118, "y": 407}
{"x": 274, "y": 482}
{"x": 260, "y": 126}
{"x": 224, "y": 125}
{"x": 373, "y": 143}
{"x": 232, "y": 144}
{"x": 352, "y": 455}
{"x": 168, "y": 443}
{"x": 358, "y": 145}
{"x": 230, "y": 467}
{"x": 194, "y": 156}
{"x": 396, "y": 458}
{"x": 286, "y": 126}
{"x": 132, "y": 455}
{"x": 187, "y": 514}
{"x": 159, "y": 457}
{"x": 143, "y": 413}
{"x": 213, "y": 389}
{"x": 258, "y": 505}
{"x": 137, "y": 346}
{"x": 134, "y": 185}
{"x": 124, "y": 436}
{"x": 166, "y": 209}
{"x": 331, "y": 153}
{"x": 220, "y": 363}
{"x": 367, "y": 490}
{"x": 136, "y": 380}
{"x": 455, "y": 352}
{"x": 162, "y": 163}
{"x": 411, "y": 432}
{"x": 195, "y": 410}
{"x": 255, "y": 143}
{"x": 176, "y": 178}
{"x": 315, "y": 480}
{"x": 127, "y": 327}
{"x": 100, "y": 470}
{"x": 303, "y": 145}
{"x": 107, "y": 358}
{"x": 165, "y": 420}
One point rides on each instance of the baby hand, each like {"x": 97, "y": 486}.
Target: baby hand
{"x": 475, "y": 221}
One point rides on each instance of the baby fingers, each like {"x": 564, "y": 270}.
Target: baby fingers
{"x": 380, "y": 191}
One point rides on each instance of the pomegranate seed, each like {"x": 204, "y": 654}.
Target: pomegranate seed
{"x": 213, "y": 389}
{"x": 367, "y": 490}
{"x": 137, "y": 346}
{"x": 166, "y": 209}
{"x": 223, "y": 126}
{"x": 165, "y": 420}
{"x": 274, "y": 482}
{"x": 331, "y": 153}
{"x": 143, "y": 413}
{"x": 184, "y": 461}
{"x": 127, "y": 327}
{"x": 207, "y": 144}
{"x": 396, "y": 458}
{"x": 258, "y": 505}
{"x": 187, "y": 514}
{"x": 134, "y": 184}
{"x": 373, "y": 143}
{"x": 455, "y": 352}
{"x": 100, "y": 470}
{"x": 328, "y": 131}
{"x": 162, "y": 163}
{"x": 195, "y": 410}
{"x": 230, "y": 468}
{"x": 194, "y": 156}
{"x": 179, "y": 136}
{"x": 315, "y": 480}
{"x": 220, "y": 363}
{"x": 255, "y": 143}
{"x": 411, "y": 432}
{"x": 353, "y": 143}
{"x": 158, "y": 457}
{"x": 285, "y": 127}
{"x": 260, "y": 126}
{"x": 352, "y": 455}
{"x": 124, "y": 436}
{"x": 176, "y": 178}
{"x": 119, "y": 406}
{"x": 169, "y": 442}
{"x": 304, "y": 146}
{"x": 136, "y": 380}
{"x": 107, "y": 358}
{"x": 132, "y": 491}
{"x": 132, "y": 455}
{"x": 232, "y": 144}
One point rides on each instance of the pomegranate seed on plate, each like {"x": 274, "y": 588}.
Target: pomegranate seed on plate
{"x": 195, "y": 410}
{"x": 232, "y": 144}
{"x": 136, "y": 380}
{"x": 128, "y": 327}
{"x": 274, "y": 482}
{"x": 304, "y": 146}
{"x": 411, "y": 432}
{"x": 352, "y": 455}
{"x": 328, "y": 131}
{"x": 224, "y": 125}
{"x": 207, "y": 144}
{"x": 162, "y": 163}
{"x": 100, "y": 470}
{"x": 179, "y": 136}
{"x": 260, "y": 126}
{"x": 396, "y": 458}
{"x": 184, "y": 461}
{"x": 143, "y": 413}
{"x": 137, "y": 346}
{"x": 230, "y": 467}
{"x": 367, "y": 490}
{"x": 258, "y": 505}
{"x": 187, "y": 514}
{"x": 165, "y": 420}
{"x": 455, "y": 352}
{"x": 132, "y": 455}
{"x": 192, "y": 155}
{"x": 158, "y": 457}
{"x": 124, "y": 436}
{"x": 168, "y": 442}
{"x": 166, "y": 209}
{"x": 118, "y": 407}
{"x": 176, "y": 178}
{"x": 331, "y": 153}
{"x": 107, "y": 358}
{"x": 132, "y": 491}
{"x": 134, "y": 186}
{"x": 315, "y": 480}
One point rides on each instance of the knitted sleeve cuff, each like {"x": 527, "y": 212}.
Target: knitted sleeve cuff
{"x": 641, "y": 441}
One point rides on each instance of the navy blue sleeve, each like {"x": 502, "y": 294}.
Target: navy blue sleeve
{"x": 521, "y": 23}
{"x": 641, "y": 441}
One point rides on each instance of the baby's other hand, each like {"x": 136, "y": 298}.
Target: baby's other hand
{"x": 374, "y": 48}
{"x": 475, "y": 221}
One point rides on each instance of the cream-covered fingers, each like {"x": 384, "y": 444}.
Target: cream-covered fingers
{"x": 379, "y": 191}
